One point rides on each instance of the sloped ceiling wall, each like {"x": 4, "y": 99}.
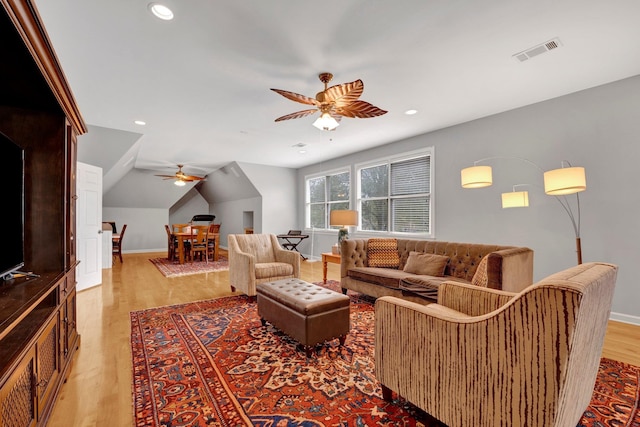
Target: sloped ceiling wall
{"x": 142, "y": 189}
{"x": 226, "y": 184}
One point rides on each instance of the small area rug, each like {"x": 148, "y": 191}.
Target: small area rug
{"x": 212, "y": 363}
{"x": 175, "y": 269}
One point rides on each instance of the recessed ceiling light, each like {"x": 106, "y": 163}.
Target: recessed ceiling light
{"x": 161, "y": 11}
{"x": 410, "y": 112}
{"x": 140, "y": 122}
{"x": 302, "y": 151}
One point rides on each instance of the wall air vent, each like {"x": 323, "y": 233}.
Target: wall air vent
{"x": 537, "y": 50}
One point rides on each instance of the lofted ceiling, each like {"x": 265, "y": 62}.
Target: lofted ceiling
{"x": 202, "y": 81}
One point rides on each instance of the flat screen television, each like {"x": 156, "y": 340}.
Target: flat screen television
{"x": 12, "y": 200}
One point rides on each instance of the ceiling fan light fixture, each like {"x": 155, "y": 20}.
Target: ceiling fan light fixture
{"x": 161, "y": 11}
{"x": 326, "y": 122}
{"x": 180, "y": 183}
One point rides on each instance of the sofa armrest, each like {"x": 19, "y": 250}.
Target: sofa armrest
{"x": 471, "y": 300}
{"x": 516, "y": 269}
{"x": 289, "y": 257}
{"x": 241, "y": 268}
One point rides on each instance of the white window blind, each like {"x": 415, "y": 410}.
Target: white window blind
{"x": 396, "y": 196}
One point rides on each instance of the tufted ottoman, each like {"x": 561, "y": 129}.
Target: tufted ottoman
{"x": 308, "y": 313}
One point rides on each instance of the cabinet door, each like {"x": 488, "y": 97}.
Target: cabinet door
{"x": 47, "y": 364}
{"x": 70, "y": 330}
{"x": 17, "y": 400}
{"x": 71, "y": 196}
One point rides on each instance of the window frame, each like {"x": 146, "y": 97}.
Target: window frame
{"x": 388, "y": 161}
{"x": 327, "y": 203}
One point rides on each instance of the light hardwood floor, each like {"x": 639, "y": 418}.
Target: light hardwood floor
{"x": 98, "y": 390}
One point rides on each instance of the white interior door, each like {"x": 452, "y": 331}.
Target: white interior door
{"x": 89, "y": 226}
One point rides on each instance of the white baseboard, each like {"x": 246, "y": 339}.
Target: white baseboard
{"x": 141, "y": 251}
{"x": 625, "y": 318}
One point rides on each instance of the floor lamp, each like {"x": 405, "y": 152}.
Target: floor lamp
{"x": 557, "y": 182}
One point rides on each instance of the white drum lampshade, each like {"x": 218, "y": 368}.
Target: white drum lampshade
{"x": 515, "y": 199}
{"x": 560, "y": 182}
{"x": 476, "y": 177}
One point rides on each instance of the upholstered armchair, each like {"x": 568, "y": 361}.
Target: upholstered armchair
{"x": 258, "y": 258}
{"x": 482, "y": 357}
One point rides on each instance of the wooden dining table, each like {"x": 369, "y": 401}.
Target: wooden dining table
{"x": 182, "y": 236}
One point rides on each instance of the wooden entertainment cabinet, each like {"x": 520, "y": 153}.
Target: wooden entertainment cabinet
{"x": 38, "y": 325}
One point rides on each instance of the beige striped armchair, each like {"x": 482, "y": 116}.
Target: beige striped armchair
{"x": 482, "y": 357}
{"x": 259, "y": 258}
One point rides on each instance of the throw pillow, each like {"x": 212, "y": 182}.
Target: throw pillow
{"x": 480, "y": 278}
{"x": 426, "y": 264}
{"x": 383, "y": 253}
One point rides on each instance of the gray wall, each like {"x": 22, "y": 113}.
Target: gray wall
{"x": 277, "y": 186}
{"x": 273, "y": 199}
{"x": 145, "y": 228}
{"x": 231, "y": 216}
{"x": 596, "y": 128}
{"x": 189, "y": 205}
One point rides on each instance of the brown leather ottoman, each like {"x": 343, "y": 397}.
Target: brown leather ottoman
{"x": 308, "y": 313}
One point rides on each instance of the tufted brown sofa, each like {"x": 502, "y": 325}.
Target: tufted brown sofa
{"x": 508, "y": 268}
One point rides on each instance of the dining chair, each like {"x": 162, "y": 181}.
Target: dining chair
{"x": 214, "y": 231}
{"x": 116, "y": 243}
{"x": 171, "y": 244}
{"x": 199, "y": 242}
{"x": 180, "y": 228}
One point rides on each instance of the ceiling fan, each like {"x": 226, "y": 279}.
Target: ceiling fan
{"x": 182, "y": 178}
{"x": 333, "y": 103}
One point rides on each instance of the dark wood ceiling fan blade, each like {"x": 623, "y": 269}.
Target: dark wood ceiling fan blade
{"x": 296, "y": 97}
{"x": 360, "y": 110}
{"x": 345, "y": 93}
{"x": 297, "y": 115}
{"x": 167, "y": 176}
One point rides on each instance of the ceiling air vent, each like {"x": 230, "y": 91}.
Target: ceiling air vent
{"x": 537, "y": 50}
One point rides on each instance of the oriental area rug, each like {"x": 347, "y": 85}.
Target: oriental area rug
{"x": 212, "y": 363}
{"x": 175, "y": 269}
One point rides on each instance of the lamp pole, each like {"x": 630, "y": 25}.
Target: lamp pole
{"x": 579, "y": 250}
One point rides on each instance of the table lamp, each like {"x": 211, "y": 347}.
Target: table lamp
{"x": 343, "y": 219}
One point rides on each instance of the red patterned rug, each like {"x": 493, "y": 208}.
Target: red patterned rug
{"x": 175, "y": 269}
{"x": 211, "y": 363}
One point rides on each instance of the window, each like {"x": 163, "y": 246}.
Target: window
{"x": 395, "y": 195}
{"x": 324, "y": 194}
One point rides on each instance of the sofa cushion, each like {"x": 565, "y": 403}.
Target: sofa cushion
{"x": 426, "y": 264}
{"x": 387, "y": 277}
{"x": 481, "y": 278}
{"x": 383, "y": 253}
{"x": 273, "y": 269}
{"x": 426, "y": 286}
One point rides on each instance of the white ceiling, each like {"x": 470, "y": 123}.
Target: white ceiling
{"x": 201, "y": 82}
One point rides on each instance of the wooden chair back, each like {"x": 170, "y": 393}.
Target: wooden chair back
{"x": 199, "y": 241}
{"x": 116, "y": 244}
